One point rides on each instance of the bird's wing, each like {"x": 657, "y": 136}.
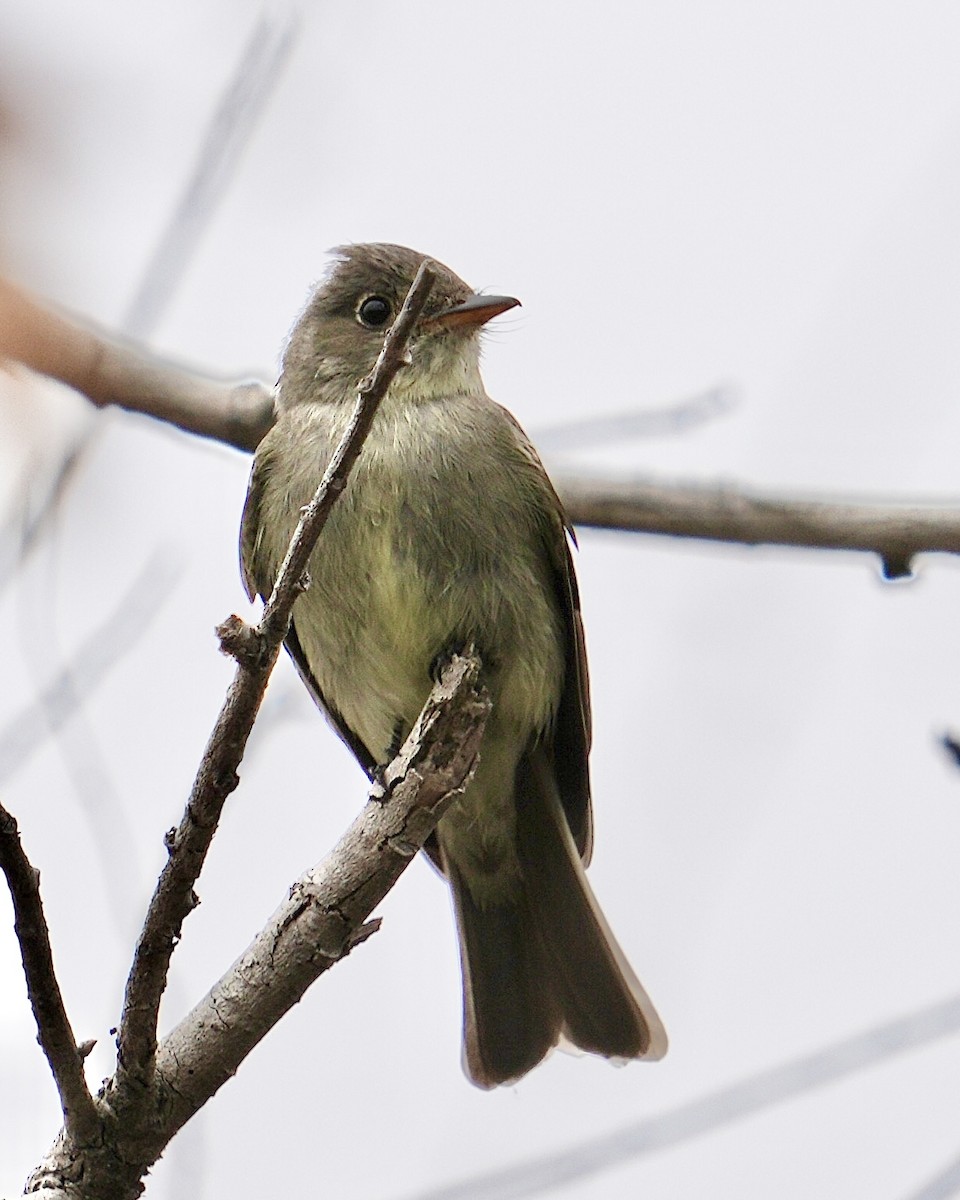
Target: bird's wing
{"x": 572, "y": 729}
{"x": 340, "y": 727}
{"x": 572, "y": 733}
{"x": 259, "y": 580}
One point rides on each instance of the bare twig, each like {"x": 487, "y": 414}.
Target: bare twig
{"x": 323, "y": 916}
{"x": 59, "y": 715}
{"x": 896, "y": 533}
{"x": 752, "y": 1095}
{"x": 950, "y": 743}
{"x": 614, "y": 428}
{"x": 321, "y": 920}
{"x": 256, "y": 652}
{"x": 24, "y": 529}
{"x": 65, "y": 692}
{"x": 943, "y": 1186}
{"x": 254, "y": 78}
{"x": 53, "y": 1026}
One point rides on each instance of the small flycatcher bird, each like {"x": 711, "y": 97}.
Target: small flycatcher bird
{"x": 449, "y": 533}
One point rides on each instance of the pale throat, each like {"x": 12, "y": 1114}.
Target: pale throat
{"x": 440, "y": 371}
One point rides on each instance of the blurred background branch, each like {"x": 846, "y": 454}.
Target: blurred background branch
{"x": 545, "y": 1174}
{"x": 110, "y": 372}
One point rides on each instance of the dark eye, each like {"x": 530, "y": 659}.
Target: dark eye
{"x": 374, "y": 312}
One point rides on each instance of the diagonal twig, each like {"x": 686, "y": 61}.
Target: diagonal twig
{"x": 24, "y": 529}
{"x": 276, "y": 613}
{"x": 323, "y": 916}
{"x": 612, "y": 429}
{"x": 546, "y": 1173}
{"x": 62, "y": 696}
{"x": 228, "y": 133}
{"x": 256, "y": 652}
{"x": 53, "y": 1025}
{"x": 945, "y": 1185}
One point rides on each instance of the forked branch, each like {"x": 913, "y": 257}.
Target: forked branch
{"x": 320, "y": 921}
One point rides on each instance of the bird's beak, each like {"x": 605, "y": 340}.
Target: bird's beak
{"x": 474, "y": 312}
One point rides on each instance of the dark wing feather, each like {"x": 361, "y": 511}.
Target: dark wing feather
{"x": 343, "y": 730}
{"x": 250, "y": 526}
{"x": 572, "y": 730}
{"x": 258, "y": 582}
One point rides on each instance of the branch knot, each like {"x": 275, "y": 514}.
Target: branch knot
{"x": 242, "y": 642}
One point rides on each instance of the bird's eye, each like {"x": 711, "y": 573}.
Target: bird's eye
{"x": 373, "y": 312}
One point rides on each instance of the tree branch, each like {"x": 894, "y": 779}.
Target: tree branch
{"x": 319, "y": 922}
{"x": 256, "y": 652}
{"x": 109, "y": 371}
{"x": 896, "y": 533}
{"x": 53, "y": 1026}
{"x": 74, "y": 683}
{"x": 322, "y": 918}
{"x": 255, "y": 77}
{"x": 549, "y": 1174}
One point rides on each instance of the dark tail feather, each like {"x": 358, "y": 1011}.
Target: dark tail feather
{"x": 510, "y": 1021}
{"x": 545, "y": 965}
{"x": 605, "y": 1009}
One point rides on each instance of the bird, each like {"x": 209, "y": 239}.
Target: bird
{"x": 449, "y": 533}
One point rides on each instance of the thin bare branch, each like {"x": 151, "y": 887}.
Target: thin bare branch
{"x": 324, "y": 916}
{"x": 945, "y": 1185}
{"x": 896, "y": 533}
{"x": 756, "y": 1093}
{"x": 950, "y": 744}
{"x": 53, "y": 1025}
{"x": 608, "y": 429}
{"x": 24, "y": 529}
{"x": 243, "y": 100}
{"x": 256, "y": 652}
{"x": 74, "y": 683}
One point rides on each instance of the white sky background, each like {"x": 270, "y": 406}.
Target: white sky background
{"x": 765, "y": 196}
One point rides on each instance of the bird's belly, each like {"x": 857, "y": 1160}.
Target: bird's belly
{"x": 371, "y": 652}
{"x": 406, "y": 570}
{"x": 372, "y": 646}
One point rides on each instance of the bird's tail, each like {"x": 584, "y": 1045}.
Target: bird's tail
{"x": 544, "y": 966}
